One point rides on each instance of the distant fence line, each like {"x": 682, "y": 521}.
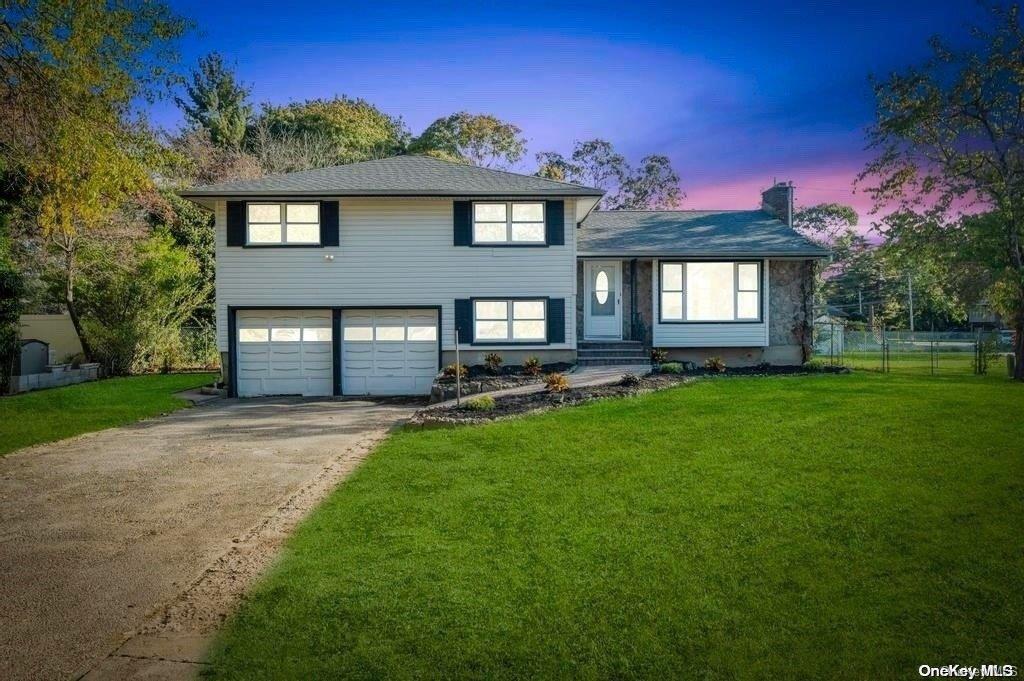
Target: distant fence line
{"x": 900, "y": 350}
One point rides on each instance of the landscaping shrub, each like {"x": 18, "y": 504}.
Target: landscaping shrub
{"x": 815, "y": 365}
{"x": 532, "y": 366}
{"x": 630, "y": 380}
{"x": 12, "y": 288}
{"x": 671, "y": 368}
{"x": 556, "y": 382}
{"x": 449, "y": 371}
{"x": 493, "y": 362}
{"x": 659, "y": 355}
{"x": 480, "y": 403}
{"x": 714, "y": 364}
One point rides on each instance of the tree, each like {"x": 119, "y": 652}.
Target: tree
{"x": 477, "y": 139}
{"x": 322, "y": 132}
{"x": 949, "y": 134}
{"x": 825, "y": 222}
{"x": 217, "y": 102}
{"x": 595, "y": 163}
{"x": 71, "y": 72}
{"x": 12, "y": 290}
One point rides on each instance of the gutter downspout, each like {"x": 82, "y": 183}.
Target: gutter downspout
{"x": 634, "y": 317}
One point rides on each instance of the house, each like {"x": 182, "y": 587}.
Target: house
{"x": 357, "y": 279}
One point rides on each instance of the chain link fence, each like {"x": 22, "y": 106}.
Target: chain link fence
{"x": 902, "y": 351}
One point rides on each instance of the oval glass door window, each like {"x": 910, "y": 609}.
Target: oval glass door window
{"x": 601, "y": 287}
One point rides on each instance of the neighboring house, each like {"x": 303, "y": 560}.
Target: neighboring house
{"x": 56, "y": 331}
{"x": 355, "y": 279}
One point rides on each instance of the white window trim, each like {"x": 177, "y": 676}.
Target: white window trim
{"x": 282, "y": 224}
{"x": 508, "y": 223}
{"x": 735, "y": 293}
{"x": 510, "y": 322}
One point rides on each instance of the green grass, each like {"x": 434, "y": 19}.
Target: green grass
{"x": 813, "y": 527}
{"x": 53, "y": 414}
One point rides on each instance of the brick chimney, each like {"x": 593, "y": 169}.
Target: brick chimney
{"x": 778, "y": 201}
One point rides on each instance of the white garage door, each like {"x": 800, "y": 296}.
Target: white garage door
{"x": 388, "y": 352}
{"x": 284, "y": 352}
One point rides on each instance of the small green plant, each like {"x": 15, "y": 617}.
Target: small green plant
{"x": 556, "y": 382}
{"x": 480, "y": 403}
{"x": 532, "y": 366}
{"x": 815, "y": 365}
{"x": 671, "y": 368}
{"x": 715, "y": 364}
{"x": 659, "y": 355}
{"x": 449, "y": 371}
{"x": 630, "y": 380}
{"x": 493, "y": 362}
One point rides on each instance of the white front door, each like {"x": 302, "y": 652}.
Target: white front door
{"x": 602, "y": 311}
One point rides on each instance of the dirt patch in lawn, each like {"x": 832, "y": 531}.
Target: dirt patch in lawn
{"x": 527, "y": 403}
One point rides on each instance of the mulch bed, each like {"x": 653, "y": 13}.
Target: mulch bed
{"x": 517, "y": 405}
{"x": 480, "y": 380}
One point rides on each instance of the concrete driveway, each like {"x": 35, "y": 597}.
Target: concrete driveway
{"x": 128, "y": 530}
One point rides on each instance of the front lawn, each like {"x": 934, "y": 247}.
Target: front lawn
{"x": 792, "y": 527}
{"x": 48, "y": 415}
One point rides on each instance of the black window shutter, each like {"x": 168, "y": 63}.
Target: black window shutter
{"x": 236, "y": 223}
{"x": 554, "y": 218}
{"x": 462, "y": 213}
{"x": 556, "y": 319}
{"x": 464, "y": 319}
{"x": 329, "y": 223}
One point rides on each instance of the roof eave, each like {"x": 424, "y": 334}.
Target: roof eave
{"x": 220, "y": 194}
{"x": 808, "y": 255}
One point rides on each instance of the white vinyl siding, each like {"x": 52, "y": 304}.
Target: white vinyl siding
{"x": 395, "y": 252}
{"x": 740, "y": 334}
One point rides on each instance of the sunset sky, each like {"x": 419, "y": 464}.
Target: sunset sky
{"x": 735, "y": 93}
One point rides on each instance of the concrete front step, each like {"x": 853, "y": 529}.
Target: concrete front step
{"x": 640, "y": 364}
{"x": 611, "y": 352}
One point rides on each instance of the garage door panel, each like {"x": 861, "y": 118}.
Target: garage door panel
{"x": 290, "y": 361}
{"x": 388, "y": 352}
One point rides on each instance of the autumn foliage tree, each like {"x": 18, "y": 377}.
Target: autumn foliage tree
{"x": 949, "y": 138}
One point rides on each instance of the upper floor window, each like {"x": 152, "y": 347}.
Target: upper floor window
{"x": 508, "y": 222}
{"x": 698, "y": 291}
{"x": 283, "y": 223}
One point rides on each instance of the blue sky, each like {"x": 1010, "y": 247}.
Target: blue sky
{"x": 735, "y": 93}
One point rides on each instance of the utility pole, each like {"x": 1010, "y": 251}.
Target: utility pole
{"x": 910, "y": 299}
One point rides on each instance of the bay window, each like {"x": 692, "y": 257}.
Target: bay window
{"x": 517, "y": 321}
{"x": 700, "y": 291}
{"x": 508, "y": 222}
{"x": 269, "y": 224}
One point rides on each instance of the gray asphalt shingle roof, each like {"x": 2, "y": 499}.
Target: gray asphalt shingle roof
{"x": 396, "y": 176}
{"x": 691, "y": 233}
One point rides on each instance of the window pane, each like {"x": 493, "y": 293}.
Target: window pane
{"x": 672, "y": 305}
{"x": 358, "y": 333}
{"x": 284, "y": 335}
{"x": 391, "y": 333}
{"x": 264, "y": 212}
{"x": 527, "y": 212}
{"x": 489, "y": 232}
{"x": 303, "y": 212}
{"x": 528, "y": 231}
{"x": 489, "y": 212}
{"x": 528, "y": 309}
{"x": 491, "y": 330}
{"x": 422, "y": 333}
{"x": 491, "y": 309}
{"x": 316, "y": 335}
{"x": 709, "y": 291}
{"x": 252, "y": 335}
{"x": 748, "y": 305}
{"x": 303, "y": 234}
{"x": 264, "y": 234}
{"x": 672, "y": 277}
{"x": 528, "y": 330}
{"x": 748, "y": 276}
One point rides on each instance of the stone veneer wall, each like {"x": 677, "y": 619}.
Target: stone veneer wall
{"x": 790, "y": 300}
